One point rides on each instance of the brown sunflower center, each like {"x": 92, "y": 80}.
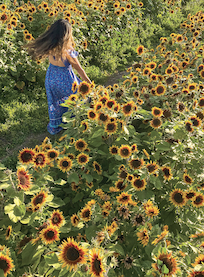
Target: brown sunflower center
{"x": 156, "y": 122}
{"x": 22, "y": 180}
{"x": 166, "y": 172}
{"x": 139, "y": 219}
{"x": 151, "y": 168}
{"x": 38, "y": 199}
{"x": 114, "y": 150}
{"x": 111, "y": 126}
{"x": 160, "y": 90}
{"x": 136, "y": 163}
{"x": 3, "y": 265}
{"x": 80, "y": 144}
{"x": 97, "y": 167}
{"x": 26, "y": 156}
{"x": 198, "y": 200}
{"x": 120, "y": 185}
{"x": 138, "y": 183}
{"x": 52, "y": 155}
{"x": 56, "y": 219}
{"x": 97, "y": 265}
{"x": 65, "y": 164}
{"x": 50, "y": 234}
{"x": 83, "y": 159}
{"x": 103, "y": 117}
{"x": 87, "y": 213}
{"x": 72, "y": 254}
{"x": 125, "y": 152}
{"x": 167, "y": 263}
{"x": 178, "y": 197}
{"x": 92, "y": 114}
{"x": 127, "y": 108}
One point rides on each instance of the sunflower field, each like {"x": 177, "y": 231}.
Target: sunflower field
{"x": 121, "y": 192}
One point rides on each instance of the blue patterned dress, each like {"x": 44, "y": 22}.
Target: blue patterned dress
{"x": 58, "y": 85}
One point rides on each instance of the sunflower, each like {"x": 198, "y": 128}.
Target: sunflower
{"x": 143, "y": 236}
{"x": 187, "y": 179}
{"x": 57, "y": 218}
{"x": 64, "y": 164}
{"x": 152, "y": 167}
{"x": 195, "y": 121}
{"x": 196, "y": 274}
{"x": 26, "y": 156}
{"x": 139, "y": 184}
{"x": 111, "y": 127}
{"x": 199, "y": 260}
{"x": 97, "y": 167}
{"x": 71, "y": 254}
{"x": 39, "y": 199}
{"x": 177, "y": 197}
{"x": 113, "y": 150}
{"x": 156, "y": 122}
{"x": 86, "y": 213}
{"x": 120, "y": 185}
{"x": 84, "y": 88}
{"x": 167, "y": 172}
{"x": 181, "y": 107}
{"x": 52, "y": 154}
{"x": 160, "y": 90}
{"x": 136, "y": 163}
{"x": 201, "y": 102}
{"x": 110, "y": 104}
{"x": 168, "y": 261}
{"x": 80, "y": 145}
{"x": 190, "y": 194}
{"x": 75, "y": 220}
{"x": 82, "y": 159}
{"x": 24, "y": 179}
{"x": 40, "y": 159}
{"x": 152, "y": 211}
{"x": 157, "y": 112}
{"x": 188, "y": 126}
{"x": 123, "y": 174}
{"x": 128, "y": 108}
{"x": 198, "y": 200}
{"x": 140, "y": 50}
{"x": 124, "y": 198}
{"x": 92, "y": 114}
{"x": 6, "y": 264}
{"x": 8, "y": 232}
{"x": 125, "y": 151}
{"x": 96, "y": 265}
{"x": 50, "y": 234}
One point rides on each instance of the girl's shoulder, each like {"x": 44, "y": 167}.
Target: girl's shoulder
{"x": 72, "y": 53}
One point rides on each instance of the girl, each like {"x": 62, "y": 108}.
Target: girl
{"x": 57, "y": 44}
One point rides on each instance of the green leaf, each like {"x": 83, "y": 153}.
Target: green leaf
{"x": 4, "y": 186}
{"x": 57, "y": 202}
{"x": 164, "y": 146}
{"x": 49, "y": 178}
{"x": 19, "y": 210}
{"x": 8, "y": 208}
{"x": 28, "y": 253}
{"x": 73, "y": 178}
{"x": 165, "y": 269}
{"x": 89, "y": 178}
{"x": 91, "y": 232}
{"x": 51, "y": 259}
{"x": 2, "y": 273}
{"x": 78, "y": 197}
{"x": 17, "y": 201}
{"x": 60, "y": 182}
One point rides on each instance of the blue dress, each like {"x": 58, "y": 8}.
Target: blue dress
{"x": 58, "y": 85}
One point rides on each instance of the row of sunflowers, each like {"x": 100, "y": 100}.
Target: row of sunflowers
{"x": 121, "y": 192}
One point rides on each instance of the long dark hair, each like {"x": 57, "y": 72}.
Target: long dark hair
{"x": 55, "y": 40}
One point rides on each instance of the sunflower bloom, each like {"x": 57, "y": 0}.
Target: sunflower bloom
{"x": 75, "y": 220}
{"x": 64, "y": 164}
{"x": 86, "y": 213}
{"x": 71, "y": 254}
{"x": 24, "y": 179}
{"x": 125, "y": 151}
{"x": 26, "y": 156}
{"x": 168, "y": 261}
{"x": 6, "y": 264}
{"x": 8, "y": 232}
{"x": 50, "y": 234}
{"x": 57, "y": 218}
{"x": 177, "y": 197}
{"x": 84, "y": 88}
{"x": 124, "y": 198}
{"x": 96, "y": 265}
{"x": 39, "y": 199}
{"x": 143, "y": 236}
{"x": 82, "y": 159}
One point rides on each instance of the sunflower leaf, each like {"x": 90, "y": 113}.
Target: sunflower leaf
{"x": 73, "y": 178}
{"x": 165, "y": 270}
{"x": 2, "y": 273}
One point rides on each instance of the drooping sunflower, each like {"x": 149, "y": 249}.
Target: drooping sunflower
{"x": 80, "y": 145}
{"x": 6, "y": 264}
{"x": 152, "y": 167}
{"x": 24, "y": 179}
{"x": 8, "y": 232}
{"x": 57, "y": 218}
{"x": 50, "y": 234}
{"x": 198, "y": 200}
{"x": 26, "y": 156}
{"x": 96, "y": 264}
{"x": 177, "y": 197}
{"x": 39, "y": 199}
{"x": 111, "y": 127}
{"x": 97, "y": 167}
{"x": 86, "y": 213}
{"x": 82, "y": 159}
{"x": 124, "y": 198}
{"x": 125, "y": 151}
{"x": 167, "y": 172}
{"x": 136, "y": 163}
{"x": 75, "y": 220}
{"x": 143, "y": 236}
{"x": 157, "y": 112}
{"x": 64, "y": 164}
{"x": 156, "y": 122}
{"x": 139, "y": 184}
{"x": 84, "y": 88}
{"x": 71, "y": 254}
